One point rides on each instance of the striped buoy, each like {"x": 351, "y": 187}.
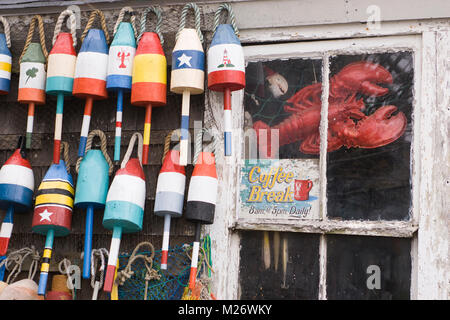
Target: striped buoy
{"x": 53, "y": 212}
{"x": 5, "y": 58}
{"x": 92, "y": 187}
{"x": 120, "y": 66}
{"x": 16, "y": 191}
{"x": 226, "y": 68}
{"x": 187, "y": 75}
{"x": 149, "y": 75}
{"x": 90, "y": 72}
{"x": 201, "y": 202}
{"x": 169, "y": 197}
{"x": 60, "y": 72}
{"x": 124, "y": 211}
{"x": 32, "y": 74}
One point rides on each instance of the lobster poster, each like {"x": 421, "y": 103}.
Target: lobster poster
{"x": 280, "y": 189}
{"x": 369, "y": 133}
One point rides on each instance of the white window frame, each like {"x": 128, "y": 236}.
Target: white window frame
{"x": 430, "y": 179}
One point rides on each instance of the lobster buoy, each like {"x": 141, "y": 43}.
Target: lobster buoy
{"x": 90, "y": 72}
{"x": 5, "y": 58}
{"x": 32, "y": 74}
{"x": 60, "y": 72}
{"x": 120, "y": 66}
{"x": 59, "y": 290}
{"x": 201, "y": 202}
{"x": 226, "y": 69}
{"x": 187, "y": 75}
{"x": 124, "y": 210}
{"x": 169, "y": 197}
{"x": 91, "y": 190}
{"x": 16, "y": 191}
{"x": 53, "y": 212}
{"x": 149, "y": 76}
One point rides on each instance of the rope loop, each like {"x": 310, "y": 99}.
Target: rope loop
{"x": 226, "y": 7}
{"x": 98, "y": 254}
{"x": 120, "y": 19}
{"x": 102, "y": 136}
{"x": 95, "y": 13}
{"x": 158, "y": 15}
{"x": 126, "y": 157}
{"x": 199, "y": 143}
{"x": 64, "y": 147}
{"x": 168, "y": 141}
{"x": 6, "y": 30}
{"x": 73, "y": 25}
{"x": 184, "y": 12}
{"x": 37, "y": 18}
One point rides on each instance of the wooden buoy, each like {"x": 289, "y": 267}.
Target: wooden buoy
{"x": 59, "y": 290}
{"x": 124, "y": 211}
{"x": 93, "y": 171}
{"x": 60, "y": 72}
{"x": 201, "y": 202}
{"x": 53, "y": 211}
{"x": 187, "y": 75}
{"x": 33, "y": 74}
{"x": 5, "y": 58}
{"x": 169, "y": 197}
{"x": 226, "y": 68}
{"x": 16, "y": 191}
{"x": 90, "y": 71}
{"x": 149, "y": 74}
{"x": 120, "y": 67}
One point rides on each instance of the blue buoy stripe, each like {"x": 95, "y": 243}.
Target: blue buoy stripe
{"x": 188, "y": 59}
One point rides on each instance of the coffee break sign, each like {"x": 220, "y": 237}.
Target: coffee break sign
{"x": 280, "y": 189}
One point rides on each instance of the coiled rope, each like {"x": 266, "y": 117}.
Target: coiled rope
{"x": 158, "y": 15}
{"x": 72, "y": 22}
{"x": 197, "y": 20}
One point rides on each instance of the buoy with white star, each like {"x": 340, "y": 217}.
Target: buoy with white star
{"x": 226, "y": 68}
{"x": 187, "y": 75}
{"x": 16, "y": 191}
{"x": 53, "y": 212}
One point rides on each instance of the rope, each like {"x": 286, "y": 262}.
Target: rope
{"x": 151, "y": 273}
{"x": 73, "y": 25}
{"x": 6, "y": 28}
{"x": 227, "y": 7}
{"x": 158, "y": 14}
{"x": 126, "y": 157}
{"x": 199, "y": 143}
{"x": 184, "y": 12}
{"x": 65, "y": 147}
{"x": 66, "y": 263}
{"x": 17, "y": 257}
{"x": 168, "y": 141}
{"x": 95, "y": 13}
{"x": 101, "y": 254}
{"x": 103, "y": 146}
{"x": 37, "y": 18}
{"x": 120, "y": 18}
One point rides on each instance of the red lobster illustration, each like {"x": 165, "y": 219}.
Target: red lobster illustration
{"x": 347, "y": 124}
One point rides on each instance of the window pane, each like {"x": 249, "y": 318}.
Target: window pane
{"x": 369, "y": 136}
{"x": 361, "y": 267}
{"x": 279, "y": 265}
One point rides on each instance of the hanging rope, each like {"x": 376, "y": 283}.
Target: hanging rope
{"x": 199, "y": 143}
{"x": 41, "y": 30}
{"x": 184, "y": 12}
{"x": 226, "y": 7}
{"x": 17, "y": 258}
{"x": 167, "y": 142}
{"x": 126, "y": 157}
{"x": 122, "y": 13}
{"x": 73, "y": 25}
{"x": 102, "y": 136}
{"x": 91, "y": 21}
{"x": 66, "y": 264}
{"x": 97, "y": 282}
{"x": 158, "y": 15}
{"x": 64, "y": 147}
{"x": 151, "y": 273}
{"x": 6, "y": 30}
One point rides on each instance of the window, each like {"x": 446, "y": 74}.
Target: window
{"x": 328, "y": 212}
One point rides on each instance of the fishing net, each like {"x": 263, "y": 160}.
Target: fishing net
{"x": 167, "y": 284}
